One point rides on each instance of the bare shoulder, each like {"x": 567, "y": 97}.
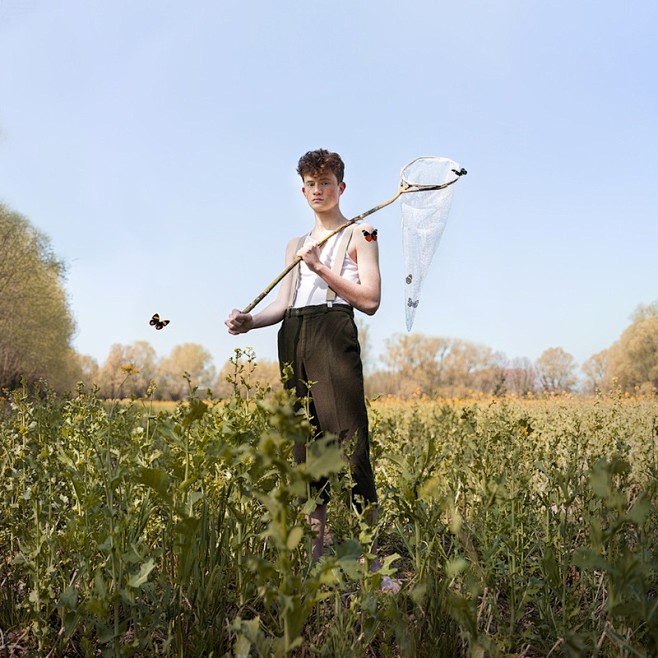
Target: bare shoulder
{"x": 292, "y": 247}
{"x": 363, "y": 247}
{"x": 364, "y": 233}
{"x": 364, "y": 226}
{"x": 293, "y": 242}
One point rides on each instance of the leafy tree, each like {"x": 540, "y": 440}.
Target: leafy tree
{"x": 128, "y": 370}
{"x": 556, "y": 369}
{"x": 469, "y": 365}
{"x": 595, "y": 370}
{"x": 431, "y": 365}
{"x": 88, "y": 367}
{"x": 492, "y": 376}
{"x": 36, "y": 326}
{"x": 633, "y": 359}
{"x": 418, "y": 361}
{"x": 110, "y": 375}
{"x": 521, "y": 377}
{"x": 382, "y": 382}
{"x": 189, "y": 360}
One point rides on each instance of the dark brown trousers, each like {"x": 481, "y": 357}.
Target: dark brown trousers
{"x": 321, "y": 344}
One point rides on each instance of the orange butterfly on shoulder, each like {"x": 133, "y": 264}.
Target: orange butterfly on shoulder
{"x": 370, "y": 237}
{"x": 157, "y": 322}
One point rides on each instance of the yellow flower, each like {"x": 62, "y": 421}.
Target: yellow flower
{"x": 130, "y": 369}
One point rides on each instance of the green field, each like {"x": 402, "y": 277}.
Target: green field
{"x": 516, "y": 528}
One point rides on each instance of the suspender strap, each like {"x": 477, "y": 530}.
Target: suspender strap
{"x": 339, "y": 259}
{"x": 295, "y": 274}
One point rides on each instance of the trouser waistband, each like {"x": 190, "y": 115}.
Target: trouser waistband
{"x": 318, "y": 309}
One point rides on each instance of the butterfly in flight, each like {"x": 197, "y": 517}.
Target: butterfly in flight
{"x": 370, "y": 236}
{"x": 157, "y": 322}
{"x": 411, "y": 303}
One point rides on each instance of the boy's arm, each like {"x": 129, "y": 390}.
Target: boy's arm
{"x": 365, "y": 295}
{"x": 241, "y": 323}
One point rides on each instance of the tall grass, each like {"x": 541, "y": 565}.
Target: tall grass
{"x": 515, "y": 528}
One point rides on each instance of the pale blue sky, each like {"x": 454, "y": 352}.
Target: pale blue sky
{"x": 156, "y": 142}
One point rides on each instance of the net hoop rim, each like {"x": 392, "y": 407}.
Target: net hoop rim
{"x": 452, "y": 163}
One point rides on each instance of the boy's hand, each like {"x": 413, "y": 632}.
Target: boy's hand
{"x": 310, "y": 254}
{"x": 239, "y": 322}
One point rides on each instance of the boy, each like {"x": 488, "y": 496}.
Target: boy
{"x": 318, "y": 337}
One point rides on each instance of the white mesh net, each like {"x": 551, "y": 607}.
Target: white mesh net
{"x": 424, "y": 217}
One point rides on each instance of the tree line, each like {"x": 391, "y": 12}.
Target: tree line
{"x": 37, "y": 328}
{"x": 36, "y": 325}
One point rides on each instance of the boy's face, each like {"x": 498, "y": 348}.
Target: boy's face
{"x": 322, "y": 191}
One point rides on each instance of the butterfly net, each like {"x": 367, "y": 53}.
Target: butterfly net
{"x": 424, "y": 217}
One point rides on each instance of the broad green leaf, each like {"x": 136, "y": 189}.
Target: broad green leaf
{"x": 588, "y": 559}
{"x": 196, "y": 411}
{"x": 69, "y": 598}
{"x": 140, "y": 578}
{"x": 99, "y": 585}
{"x": 349, "y": 550}
{"x": 431, "y": 488}
{"x": 157, "y": 479}
{"x": 242, "y": 647}
{"x": 551, "y": 568}
{"x": 640, "y": 509}
{"x": 329, "y": 460}
{"x": 599, "y": 479}
{"x": 294, "y": 537}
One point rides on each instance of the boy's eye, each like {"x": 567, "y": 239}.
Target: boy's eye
{"x": 322, "y": 183}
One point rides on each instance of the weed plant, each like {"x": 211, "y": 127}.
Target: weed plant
{"x": 516, "y": 528}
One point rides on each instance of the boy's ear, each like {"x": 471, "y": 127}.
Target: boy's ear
{"x": 342, "y": 187}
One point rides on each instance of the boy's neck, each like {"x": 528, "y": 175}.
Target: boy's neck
{"x": 327, "y": 222}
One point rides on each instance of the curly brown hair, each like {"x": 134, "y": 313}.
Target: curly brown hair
{"x": 319, "y": 161}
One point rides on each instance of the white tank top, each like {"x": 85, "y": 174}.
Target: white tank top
{"x": 312, "y": 289}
